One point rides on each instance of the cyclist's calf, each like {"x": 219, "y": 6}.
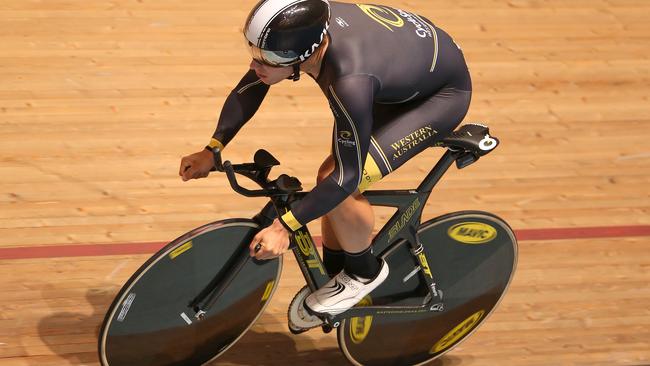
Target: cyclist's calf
{"x": 354, "y": 212}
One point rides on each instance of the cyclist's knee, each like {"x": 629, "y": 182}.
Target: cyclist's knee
{"x": 325, "y": 169}
{"x": 358, "y": 195}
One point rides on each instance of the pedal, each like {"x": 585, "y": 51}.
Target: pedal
{"x": 299, "y": 319}
{"x": 327, "y": 328}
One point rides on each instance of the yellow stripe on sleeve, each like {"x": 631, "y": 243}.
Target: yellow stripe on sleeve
{"x": 291, "y": 221}
{"x": 214, "y": 143}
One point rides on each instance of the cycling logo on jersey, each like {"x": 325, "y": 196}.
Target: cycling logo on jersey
{"x": 344, "y": 139}
{"x": 457, "y": 333}
{"x": 341, "y": 22}
{"x": 472, "y": 233}
{"x": 382, "y": 15}
{"x": 421, "y": 28}
{"x": 360, "y": 326}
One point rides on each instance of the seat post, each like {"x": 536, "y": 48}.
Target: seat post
{"x": 438, "y": 171}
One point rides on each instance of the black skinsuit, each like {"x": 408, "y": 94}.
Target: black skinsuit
{"x": 396, "y": 84}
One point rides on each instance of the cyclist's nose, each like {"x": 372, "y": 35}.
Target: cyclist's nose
{"x": 255, "y": 65}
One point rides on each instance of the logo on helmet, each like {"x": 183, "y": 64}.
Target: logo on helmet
{"x": 314, "y": 46}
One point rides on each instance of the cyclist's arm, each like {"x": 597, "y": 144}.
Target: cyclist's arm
{"x": 240, "y": 106}
{"x": 351, "y": 101}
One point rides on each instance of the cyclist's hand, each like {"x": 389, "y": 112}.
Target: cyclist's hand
{"x": 274, "y": 240}
{"x": 197, "y": 165}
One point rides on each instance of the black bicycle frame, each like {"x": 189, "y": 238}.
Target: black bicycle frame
{"x": 401, "y": 227}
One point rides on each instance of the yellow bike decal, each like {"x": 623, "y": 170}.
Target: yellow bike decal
{"x": 360, "y": 326}
{"x": 457, "y": 333}
{"x": 472, "y": 233}
{"x": 308, "y": 251}
{"x": 424, "y": 264}
{"x": 268, "y": 290}
{"x": 180, "y": 250}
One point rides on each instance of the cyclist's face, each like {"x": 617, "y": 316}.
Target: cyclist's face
{"x": 271, "y": 75}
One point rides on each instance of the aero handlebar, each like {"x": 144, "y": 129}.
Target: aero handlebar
{"x": 258, "y": 172}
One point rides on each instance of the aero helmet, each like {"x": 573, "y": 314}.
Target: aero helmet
{"x": 286, "y": 32}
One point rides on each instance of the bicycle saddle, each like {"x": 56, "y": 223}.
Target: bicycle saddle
{"x": 473, "y": 140}
{"x": 472, "y": 137}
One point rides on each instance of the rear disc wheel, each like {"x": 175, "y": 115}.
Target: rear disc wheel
{"x": 471, "y": 255}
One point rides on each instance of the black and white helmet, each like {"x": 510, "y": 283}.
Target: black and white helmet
{"x": 286, "y": 32}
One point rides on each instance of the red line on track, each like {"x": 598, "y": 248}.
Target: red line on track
{"x": 583, "y": 232}
{"x": 88, "y": 250}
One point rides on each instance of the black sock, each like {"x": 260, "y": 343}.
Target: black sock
{"x": 333, "y": 260}
{"x": 363, "y": 265}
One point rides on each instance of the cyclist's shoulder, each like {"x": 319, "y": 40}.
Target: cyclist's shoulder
{"x": 355, "y": 83}
{"x": 343, "y": 66}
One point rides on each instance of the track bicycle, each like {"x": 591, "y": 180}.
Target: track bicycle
{"x": 199, "y": 294}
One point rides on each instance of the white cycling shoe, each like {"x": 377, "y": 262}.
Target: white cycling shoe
{"x": 342, "y": 292}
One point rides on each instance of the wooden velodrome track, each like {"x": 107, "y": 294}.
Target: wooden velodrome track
{"x": 100, "y": 99}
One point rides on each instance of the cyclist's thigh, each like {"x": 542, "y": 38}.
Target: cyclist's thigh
{"x": 402, "y": 131}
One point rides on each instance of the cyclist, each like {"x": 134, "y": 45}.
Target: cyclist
{"x": 396, "y": 84}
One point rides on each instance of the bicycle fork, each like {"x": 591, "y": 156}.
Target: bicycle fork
{"x": 434, "y": 299}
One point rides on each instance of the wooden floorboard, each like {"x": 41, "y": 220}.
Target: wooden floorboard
{"x": 594, "y": 308}
{"x": 99, "y": 101}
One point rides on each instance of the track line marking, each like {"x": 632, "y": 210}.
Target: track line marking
{"x": 90, "y": 250}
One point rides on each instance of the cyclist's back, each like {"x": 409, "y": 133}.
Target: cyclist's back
{"x": 409, "y": 57}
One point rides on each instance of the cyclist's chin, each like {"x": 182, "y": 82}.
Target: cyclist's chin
{"x": 270, "y": 80}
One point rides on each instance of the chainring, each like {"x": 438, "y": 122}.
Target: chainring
{"x": 299, "y": 319}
